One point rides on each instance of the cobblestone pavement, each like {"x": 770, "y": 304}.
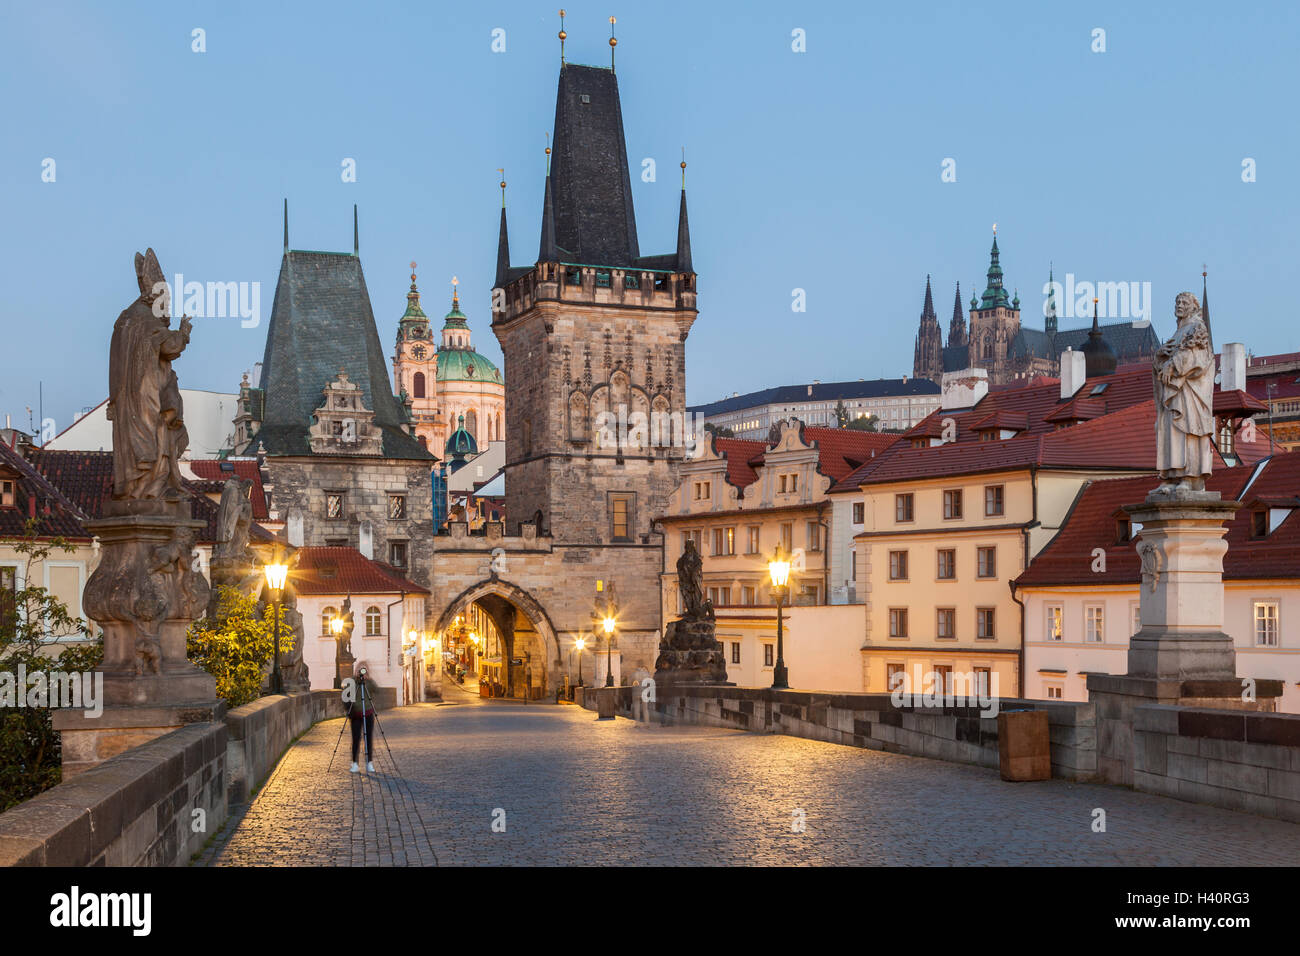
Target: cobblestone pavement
{"x": 574, "y": 790}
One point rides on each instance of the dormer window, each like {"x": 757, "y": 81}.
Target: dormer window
{"x": 7, "y": 493}
{"x": 1123, "y": 530}
{"x": 1227, "y": 439}
{"x": 1259, "y": 523}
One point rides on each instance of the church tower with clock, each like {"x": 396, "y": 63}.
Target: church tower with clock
{"x": 446, "y": 381}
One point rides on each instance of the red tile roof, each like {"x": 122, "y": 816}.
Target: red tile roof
{"x": 1068, "y": 557}
{"x": 743, "y": 457}
{"x": 85, "y": 478}
{"x": 36, "y": 497}
{"x": 1285, "y": 385}
{"x": 842, "y": 450}
{"x": 218, "y": 470}
{"x": 327, "y": 571}
{"x": 1115, "y": 431}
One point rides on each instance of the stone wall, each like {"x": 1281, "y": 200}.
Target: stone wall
{"x": 872, "y": 721}
{"x": 301, "y": 484}
{"x": 138, "y": 809}
{"x": 1239, "y": 760}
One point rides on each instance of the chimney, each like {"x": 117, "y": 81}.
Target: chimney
{"x": 1074, "y": 369}
{"x": 963, "y": 389}
{"x": 1232, "y": 367}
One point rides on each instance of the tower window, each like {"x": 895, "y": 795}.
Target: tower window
{"x": 631, "y": 281}
{"x": 573, "y": 277}
{"x": 417, "y": 385}
{"x": 602, "y": 279}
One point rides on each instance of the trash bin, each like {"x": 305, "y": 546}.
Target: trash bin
{"x": 1024, "y": 745}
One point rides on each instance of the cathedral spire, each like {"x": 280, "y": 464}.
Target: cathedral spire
{"x": 356, "y": 233}
{"x": 1205, "y": 306}
{"x": 1049, "y": 311}
{"x": 995, "y": 296}
{"x": 286, "y": 225}
{"x": 927, "y": 360}
{"x": 957, "y": 327}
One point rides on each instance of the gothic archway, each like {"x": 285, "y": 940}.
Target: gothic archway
{"x": 502, "y": 600}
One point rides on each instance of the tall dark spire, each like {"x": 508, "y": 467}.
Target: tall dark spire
{"x": 356, "y": 233}
{"x": 927, "y": 359}
{"x": 1099, "y": 357}
{"x": 503, "y": 254}
{"x": 1049, "y": 311}
{"x": 548, "y": 251}
{"x": 995, "y": 296}
{"x": 927, "y": 310}
{"x": 591, "y": 188}
{"x": 1205, "y": 308}
{"x": 957, "y": 327}
{"x": 286, "y": 225}
{"x": 683, "y": 238}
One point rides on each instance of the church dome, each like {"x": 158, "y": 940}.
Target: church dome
{"x": 461, "y": 442}
{"x": 465, "y": 365}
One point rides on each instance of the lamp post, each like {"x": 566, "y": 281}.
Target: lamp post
{"x": 609, "y": 657}
{"x": 580, "y": 643}
{"x": 779, "y": 569}
{"x": 275, "y": 575}
{"x": 336, "y": 627}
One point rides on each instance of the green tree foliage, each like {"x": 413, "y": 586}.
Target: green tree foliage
{"x": 720, "y": 432}
{"x": 864, "y": 423}
{"x": 31, "y": 618}
{"x": 841, "y": 415}
{"x": 236, "y": 646}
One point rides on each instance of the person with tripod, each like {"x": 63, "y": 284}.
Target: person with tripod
{"x": 361, "y": 712}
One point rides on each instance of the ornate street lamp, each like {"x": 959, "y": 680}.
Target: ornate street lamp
{"x": 608, "y": 624}
{"x": 779, "y": 569}
{"x": 275, "y": 576}
{"x": 336, "y": 627}
{"x": 580, "y": 643}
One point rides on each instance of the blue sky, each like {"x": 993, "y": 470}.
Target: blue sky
{"x": 816, "y": 170}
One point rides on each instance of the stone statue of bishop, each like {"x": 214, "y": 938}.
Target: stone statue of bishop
{"x": 1183, "y": 376}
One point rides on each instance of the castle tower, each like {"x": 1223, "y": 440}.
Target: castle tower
{"x": 415, "y": 367}
{"x": 927, "y": 360}
{"x": 591, "y": 332}
{"x": 994, "y": 322}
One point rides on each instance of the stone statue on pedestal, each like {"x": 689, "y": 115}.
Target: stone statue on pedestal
{"x": 1183, "y": 376}
{"x": 689, "y": 652}
{"x": 144, "y": 399}
{"x": 690, "y": 581}
{"x": 234, "y": 519}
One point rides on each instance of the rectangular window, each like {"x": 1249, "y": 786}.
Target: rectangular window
{"x": 769, "y": 654}
{"x": 986, "y": 562}
{"x": 898, "y": 622}
{"x": 814, "y": 536}
{"x": 620, "y": 516}
{"x": 735, "y": 652}
{"x": 1266, "y": 623}
{"x": 1054, "y": 629}
{"x": 631, "y": 281}
{"x": 6, "y": 493}
{"x": 397, "y": 507}
{"x": 703, "y": 490}
{"x": 942, "y": 677}
{"x": 751, "y": 545}
{"x": 787, "y": 538}
{"x": 720, "y": 597}
{"x": 794, "y": 483}
{"x": 895, "y": 676}
{"x": 397, "y": 554}
{"x": 602, "y": 279}
{"x": 858, "y": 511}
{"x": 898, "y": 565}
{"x": 853, "y": 565}
{"x": 947, "y": 561}
{"x": 983, "y": 681}
{"x": 946, "y": 622}
{"x": 1094, "y": 623}
{"x": 747, "y": 595}
{"x": 780, "y": 484}
{"x": 952, "y": 504}
{"x": 902, "y": 508}
{"x": 993, "y": 500}
{"x": 1054, "y": 691}
{"x": 984, "y": 623}
{"x": 334, "y": 510}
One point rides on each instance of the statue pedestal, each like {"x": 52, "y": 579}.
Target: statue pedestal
{"x": 1181, "y": 655}
{"x": 690, "y": 654}
{"x": 144, "y": 594}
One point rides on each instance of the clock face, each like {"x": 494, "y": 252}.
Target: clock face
{"x": 418, "y": 352}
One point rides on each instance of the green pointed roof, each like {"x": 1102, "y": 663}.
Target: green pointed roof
{"x": 461, "y": 442}
{"x": 995, "y": 296}
{"x": 456, "y": 319}
{"x": 414, "y": 324}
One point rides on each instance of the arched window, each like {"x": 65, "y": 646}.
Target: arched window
{"x": 501, "y": 435}
{"x": 417, "y": 390}
{"x": 471, "y": 424}
{"x": 327, "y": 614}
{"x": 372, "y": 621}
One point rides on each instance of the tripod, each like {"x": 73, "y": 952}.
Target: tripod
{"x": 369, "y": 737}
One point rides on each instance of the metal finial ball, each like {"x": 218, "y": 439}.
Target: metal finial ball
{"x": 548, "y": 151}
{"x": 562, "y": 35}
{"x": 612, "y": 20}
{"x": 613, "y": 41}
{"x": 503, "y": 184}
{"x": 683, "y": 164}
